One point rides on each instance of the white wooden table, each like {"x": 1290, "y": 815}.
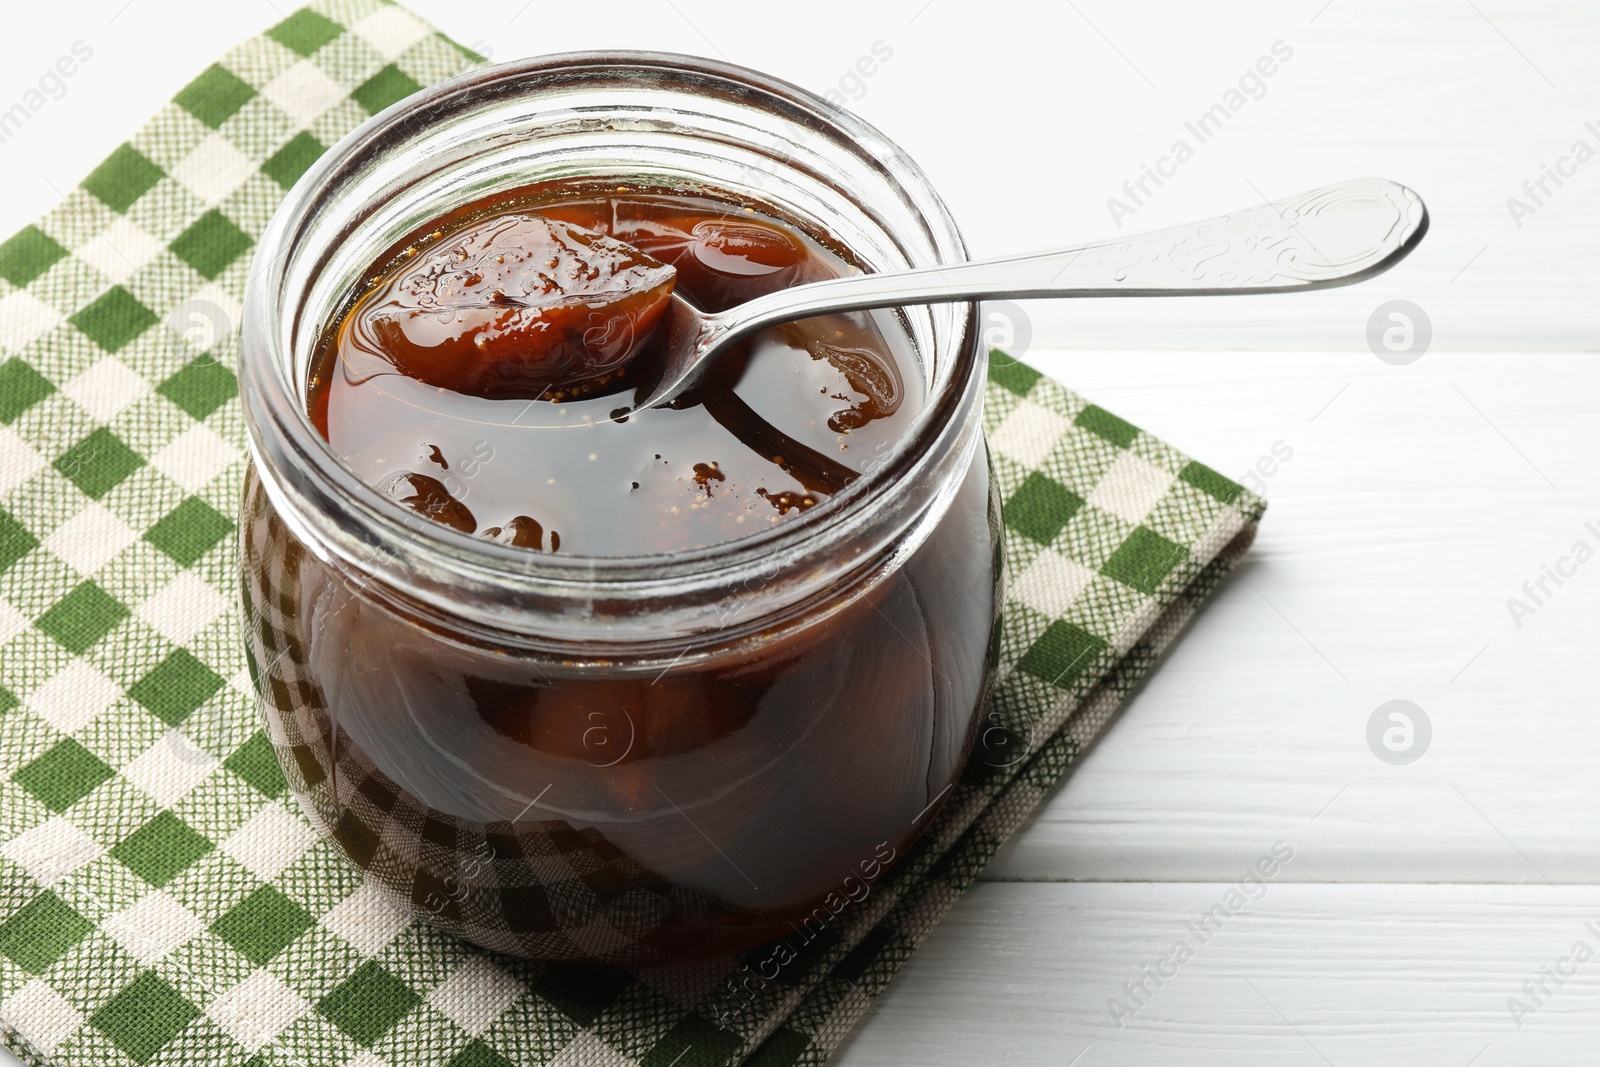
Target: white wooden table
{"x": 1417, "y": 500}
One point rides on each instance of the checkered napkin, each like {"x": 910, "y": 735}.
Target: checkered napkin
{"x": 162, "y": 899}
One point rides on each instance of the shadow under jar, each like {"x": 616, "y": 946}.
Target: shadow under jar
{"x": 620, "y": 760}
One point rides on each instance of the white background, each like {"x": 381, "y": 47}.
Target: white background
{"x": 1416, "y": 501}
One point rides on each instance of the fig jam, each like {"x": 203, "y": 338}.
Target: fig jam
{"x": 587, "y": 804}
{"x": 487, "y": 378}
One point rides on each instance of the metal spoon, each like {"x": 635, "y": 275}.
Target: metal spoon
{"x": 1336, "y": 235}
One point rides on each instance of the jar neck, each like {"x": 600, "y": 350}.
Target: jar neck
{"x": 641, "y": 112}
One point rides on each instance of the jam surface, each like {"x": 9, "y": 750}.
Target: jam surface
{"x": 487, "y": 376}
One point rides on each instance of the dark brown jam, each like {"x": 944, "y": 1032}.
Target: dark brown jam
{"x": 487, "y": 377}
{"x": 601, "y": 808}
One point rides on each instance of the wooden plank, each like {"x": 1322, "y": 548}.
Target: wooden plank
{"x": 1304, "y": 974}
{"x": 1030, "y": 119}
{"x": 1400, "y": 526}
{"x": 1022, "y": 974}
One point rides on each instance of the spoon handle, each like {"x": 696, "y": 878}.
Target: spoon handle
{"x": 1335, "y": 235}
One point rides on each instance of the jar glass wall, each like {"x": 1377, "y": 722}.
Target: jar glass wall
{"x": 617, "y": 760}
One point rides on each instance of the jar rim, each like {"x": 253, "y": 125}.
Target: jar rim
{"x": 287, "y": 448}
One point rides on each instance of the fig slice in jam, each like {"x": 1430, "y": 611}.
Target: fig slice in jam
{"x": 516, "y": 306}
{"x": 724, "y": 261}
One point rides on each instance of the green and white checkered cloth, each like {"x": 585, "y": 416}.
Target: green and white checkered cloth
{"x": 162, "y": 899}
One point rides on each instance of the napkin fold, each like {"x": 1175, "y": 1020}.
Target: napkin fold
{"x": 162, "y": 899}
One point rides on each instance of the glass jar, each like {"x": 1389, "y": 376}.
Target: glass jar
{"x": 617, "y": 761}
